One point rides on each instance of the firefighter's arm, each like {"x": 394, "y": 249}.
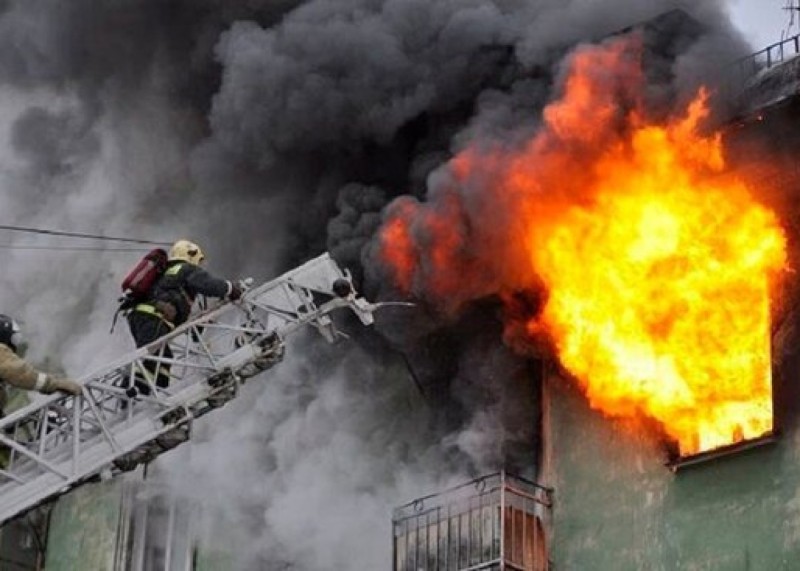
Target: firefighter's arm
{"x": 19, "y": 373}
{"x": 204, "y": 283}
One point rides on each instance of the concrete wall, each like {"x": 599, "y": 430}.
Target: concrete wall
{"x": 209, "y": 560}
{"x": 127, "y": 524}
{"x": 85, "y": 529}
{"x": 20, "y": 544}
{"x": 617, "y": 507}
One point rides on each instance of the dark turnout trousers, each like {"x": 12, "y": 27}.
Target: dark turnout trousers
{"x": 146, "y": 328}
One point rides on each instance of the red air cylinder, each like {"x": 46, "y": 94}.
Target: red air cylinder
{"x": 143, "y": 275}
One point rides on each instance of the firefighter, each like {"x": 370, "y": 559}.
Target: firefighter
{"x": 15, "y": 371}
{"x": 170, "y": 301}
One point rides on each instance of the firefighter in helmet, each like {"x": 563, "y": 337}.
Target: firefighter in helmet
{"x": 17, "y": 372}
{"x": 170, "y": 301}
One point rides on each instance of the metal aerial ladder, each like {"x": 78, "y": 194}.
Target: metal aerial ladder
{"x": 62, "y": 441}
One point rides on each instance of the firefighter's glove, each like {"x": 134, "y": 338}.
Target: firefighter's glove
{"x": 234, "y": 291}
{"x": 53, "y": 384}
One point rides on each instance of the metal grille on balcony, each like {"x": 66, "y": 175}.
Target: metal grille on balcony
{"x": 494, "y": 522}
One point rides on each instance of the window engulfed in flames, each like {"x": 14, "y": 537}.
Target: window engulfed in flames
{"x": 657, "y": 265}
{"x": 659, "y": 297}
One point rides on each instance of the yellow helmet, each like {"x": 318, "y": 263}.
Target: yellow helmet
{"x": 186, "y": 251}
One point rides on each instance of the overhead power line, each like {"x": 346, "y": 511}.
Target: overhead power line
{"x": 69, "y": 248}
{"x": 80, "y": 235}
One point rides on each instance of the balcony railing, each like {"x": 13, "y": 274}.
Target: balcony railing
{"x": 766, "y": 77}
{"x": 495, "y": 522}
{"x": 771, "y": 56}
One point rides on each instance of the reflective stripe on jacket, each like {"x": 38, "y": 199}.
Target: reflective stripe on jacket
{"x": 153, "y": 310}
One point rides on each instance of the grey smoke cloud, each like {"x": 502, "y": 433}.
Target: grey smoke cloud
{"x": 307, "y": 469}
{"x": 269, "y": 131}
{"x": 357, "y": 221}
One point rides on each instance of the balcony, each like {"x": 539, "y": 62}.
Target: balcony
{"x": 495, "y": 522}
{"x": 768, "y": 77}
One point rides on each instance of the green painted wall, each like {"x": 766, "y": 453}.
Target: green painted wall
{"x": 84, "y": 529}
{"x": 211, "y": 560}
{"x": 618, "y": 508}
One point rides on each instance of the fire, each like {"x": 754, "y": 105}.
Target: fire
{"x": 657, "y": 265}
{"x": 659, "y": 295}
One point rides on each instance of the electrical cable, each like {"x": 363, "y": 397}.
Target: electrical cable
{"x": 80, "y": 235}
{"x": 69, "y": 248}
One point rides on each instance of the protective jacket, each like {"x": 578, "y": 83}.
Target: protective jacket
{"x": 19, "y": 373}
{"x": 175, "y": 291}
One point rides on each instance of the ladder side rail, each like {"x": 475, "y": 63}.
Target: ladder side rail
{"x": 103, "y": 374}
{"x": 42, "y": 412}
{"x": 138, "y": 364}
{"x": 48, "y": 484}
{"x": 89, "y": 418}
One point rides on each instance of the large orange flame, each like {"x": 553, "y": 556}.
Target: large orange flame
{"x": 657, "y": 265}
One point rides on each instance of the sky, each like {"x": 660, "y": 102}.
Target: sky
{"x": 763, "y": 21}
